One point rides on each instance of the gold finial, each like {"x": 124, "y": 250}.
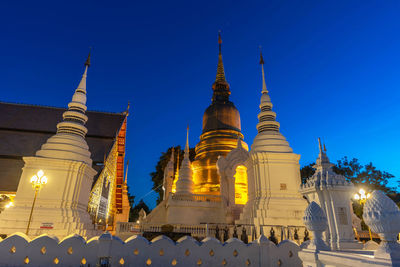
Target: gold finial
{"x": 261, "y": 57}
{"x": 87, "y": 63}
{"x": 324, "y": 148}
{"x": 220, "y": 68}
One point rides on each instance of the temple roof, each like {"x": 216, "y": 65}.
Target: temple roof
{"x": 24, "y": 128}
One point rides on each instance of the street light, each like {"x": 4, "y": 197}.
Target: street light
{"x": 37, "y": 181}
{"x": 361, "y": 197}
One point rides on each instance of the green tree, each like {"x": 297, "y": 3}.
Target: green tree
{"x": 367, "y": 176}
{"x": 158, "y": 175}
{"x": 306, "y": 172}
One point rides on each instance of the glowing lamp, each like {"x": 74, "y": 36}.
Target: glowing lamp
{"x": 362, "y": 198}
{"x": 37, "y": 181}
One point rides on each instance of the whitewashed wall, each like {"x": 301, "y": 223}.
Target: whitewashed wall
{"x": 19, "y": 250}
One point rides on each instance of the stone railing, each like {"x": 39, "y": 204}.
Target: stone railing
{"x": 197, "y": 198}
{"x": 294, "y": 233}
{"x": 107, "y": 250}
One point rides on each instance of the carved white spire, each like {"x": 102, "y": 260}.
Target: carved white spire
{"x": 264, "y": 85}
{"x": 324, "y": 175}
{"x": 268, "y": 139}
{"x": 184, "y": 185}
{"x": 266, "y": 117}
{"x": 69, "y": 141}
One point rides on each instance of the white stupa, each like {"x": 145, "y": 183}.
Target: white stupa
{"x": 61, "y": 205}
{"x": 273, "y": 173}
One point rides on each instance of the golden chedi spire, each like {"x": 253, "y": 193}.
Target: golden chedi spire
{"x": 221, "y": 129}
{"x": 220, "y": 68}
{"x": 220, "y": 86}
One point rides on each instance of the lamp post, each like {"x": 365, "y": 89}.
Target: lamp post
{"x": 361, "y": 197}
{"x": 37, "y": 181}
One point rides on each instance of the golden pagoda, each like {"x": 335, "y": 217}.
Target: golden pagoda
{"x": 221, "y": 130}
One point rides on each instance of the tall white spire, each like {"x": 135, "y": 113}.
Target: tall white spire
{"x": 69, "y": 141}
{"x": 264, "y": 85}
{"x": 267, "y": 118}
{"x": 268, "y": 139}
{"x": 185, "y": 184}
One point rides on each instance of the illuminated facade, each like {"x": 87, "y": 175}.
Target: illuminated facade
{"x": 108, "y": 201}
{"x": 231, "y": 184}
{"x": 209, "y": 197}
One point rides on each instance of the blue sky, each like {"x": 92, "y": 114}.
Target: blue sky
{"x": 332, "y": 69}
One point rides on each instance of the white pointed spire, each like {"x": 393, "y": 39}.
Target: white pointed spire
{"x": 266, "y": 117}
{"x": 268, "y": 139}
{"x": 69, "y": 141}
{"x": 185, "y": 184}
{"x": 264, "y": 85}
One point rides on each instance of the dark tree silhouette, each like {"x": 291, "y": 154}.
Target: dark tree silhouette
{"x": 158, "y": 175}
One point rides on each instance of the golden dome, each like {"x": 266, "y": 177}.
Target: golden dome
{"x": 220, "y": 116}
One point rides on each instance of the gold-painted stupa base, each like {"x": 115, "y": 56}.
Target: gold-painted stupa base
{"x": 212, "y": 145}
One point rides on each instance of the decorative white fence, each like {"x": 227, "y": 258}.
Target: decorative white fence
{"x": 108, "y": 250}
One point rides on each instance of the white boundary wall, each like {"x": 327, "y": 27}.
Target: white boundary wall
{"x": 19, "y": 250}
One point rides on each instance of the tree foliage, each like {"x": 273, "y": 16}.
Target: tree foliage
{"x": 158, "y": 175}
{"x": 367, "y": 176}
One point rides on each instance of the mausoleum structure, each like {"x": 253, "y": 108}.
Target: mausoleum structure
{"x": 381, "y": 214}
{"x": 333, "y": 193}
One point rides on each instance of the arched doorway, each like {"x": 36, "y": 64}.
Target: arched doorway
{"x": 241, "y": 185}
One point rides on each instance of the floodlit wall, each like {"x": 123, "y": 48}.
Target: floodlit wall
{"x": 19, "y": 250}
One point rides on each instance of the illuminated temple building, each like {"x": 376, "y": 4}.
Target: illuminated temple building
{"x": 83, "y": 158}
{"x": 227, "y": 183}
